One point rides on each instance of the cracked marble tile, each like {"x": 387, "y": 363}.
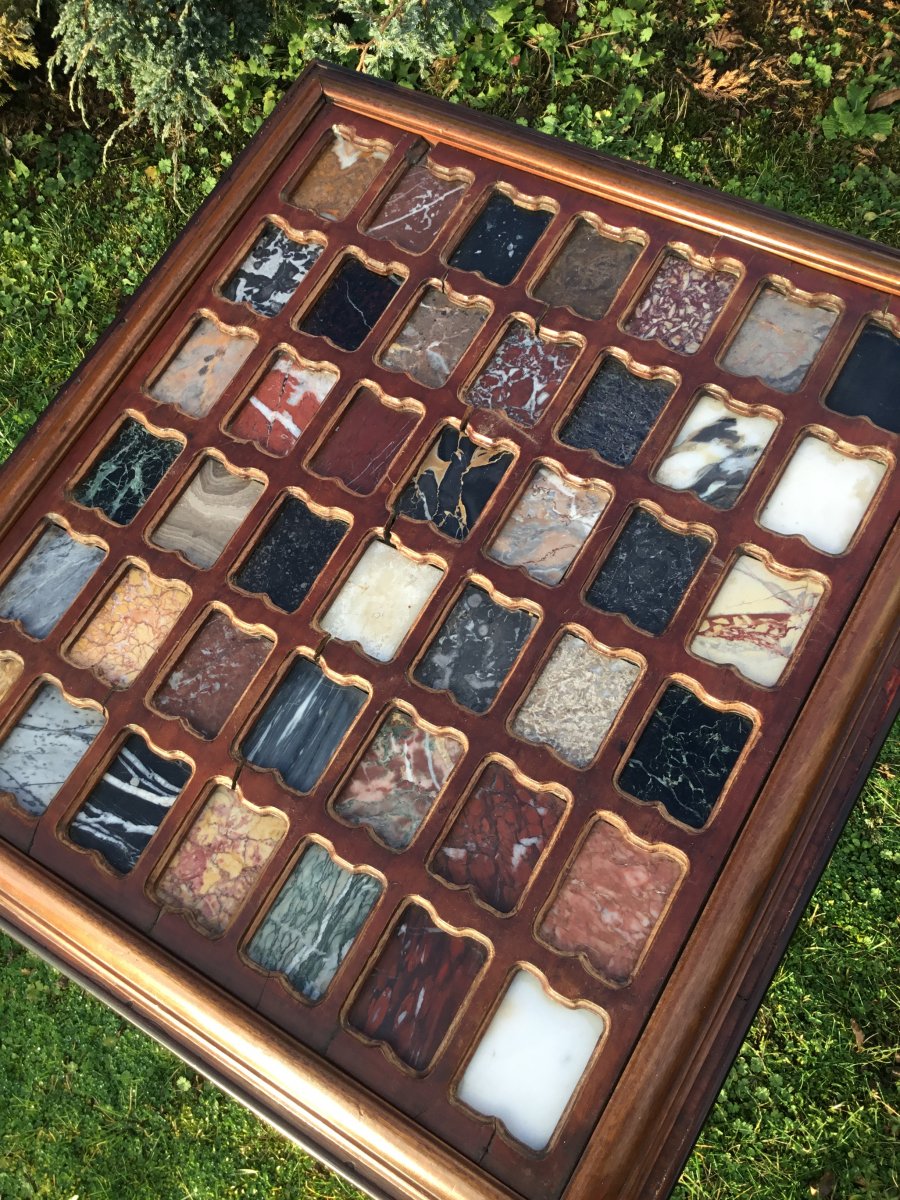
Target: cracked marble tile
{"x": 11, "y": 668}
{"x": 349, "y": 307}
{"x": 271, "y": 271}
{"x": 868, "y": 384}
{"x": 201, "y": 369}
{"x": 615, "y": 412}
{"x": 208, "y": 513}
{"x": 680, "y": 303}
{"x": 47, "y": 580}
{"x": 340, "y": 173}
{"x": 500, "y": 239}
{"x": 360, "y": 448}
{"x": 778, "y": 340}
{"x": 283, "y": 403}
{"x": 419, "y": 205}
{"x": 523, "y": 375}
{"x": 435, "y": 336}
{"x": 127, "y": 472}
{"x": 588, "y": 271}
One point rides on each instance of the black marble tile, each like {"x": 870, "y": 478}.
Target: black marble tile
{"x": 475, "y": 649}
{"x": 685, "y": 755}
{"x": 500, "y": 239}
{"x": 302, "y": 724}
{"x": 288, "y": 557}
{"x": 123, "y": 477}
{"x": 271, "y": 272}
{"x": 615, "y": 413}
{"x": 647, "y": 572}
{"x": 869, "y": 381}
{"x": 126, "y": 807}
{"x": 351, "y": 304}
{"x": 454, "y": 483}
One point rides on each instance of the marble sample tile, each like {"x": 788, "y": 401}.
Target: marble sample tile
{"x": 823, "y": 495}
{"x": 647, "y": 572}
{"x": 500, "y": 238}
{"x": 548, "y": 525}
{"x": 283, "y": 403}
{"x": 615, "y": 413}
{"x": 611, "y": 900}
{"x": 129, "y": 627}
{"x": 497, "y": 838}
{"x": 868, "y": 384}
{"x": 715, "y": 451}
{"x": 348, "y": 309}
{"x": 339, "y": 175}
{"x": 47, "y": 580}
{"x": 208, "y": 513}
{"x": 434, "y": 337}
{"x": 680, "y": 303}
{"x": 575, "y": 699}
{"x": 11, "y": 667}
{"x": 588, "y": 271}
{"x": 416, "y": 210}
{"x": 127, "y": 806}
{"x": 290, "y": 554}
{"x": 380, "y": 600}
{"x": 778, "y": 339}
{"x": 202, "y": 368}
{"x": 127, "y": 472}
{"x": 685, "y": 755}
{"x": 44, "y": 746}
{"x": 302, "y": 724}
{"x": 453, "y": 484}
{"x": 530, "y": 1060}
{"x": 523, "y": 375}
{"x": 756, "y": 620}
{"x": 475, "y": 649}
{"x": 212, "y": 674}
{"x": 364, "y": 442}
{"x": 418, "y": 984}
{"x": 271, "y": 271}
{"x": 396, "y": 783}
{"x": 316, "y": 917}
{"x": 219, "y": 860}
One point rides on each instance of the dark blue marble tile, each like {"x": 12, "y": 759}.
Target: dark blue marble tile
{"x": 869, "y": 381}
{"x": 352, "y": 302}
{"x": 615, "y": 413}
{"x": 500, "y": 239}
{"x": 271, "y": 272}
{"x": 127, "y": 472}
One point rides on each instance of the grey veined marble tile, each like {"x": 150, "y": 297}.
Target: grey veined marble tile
{"x": 47, "y": 580}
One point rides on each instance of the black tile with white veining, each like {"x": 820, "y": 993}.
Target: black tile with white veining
{"x": 685, "y": 755}
{"x": 271, "y": 272}
{"x": 475, "y": 649}
{"x": 126, "y": 474}
{"x": 647, "y": 572}
{"x": 354, "y": 299}
{"x": 126, "y": 807}
{"x": 47, "y": 580}
{"x": 302, "y": 724}
{"x": 616, "y": 412}
{"x": 290, "y": 554}
{"x": 454, "y": 483}
{"x": 868, "y": 384}
{"x": 500, "y": 239}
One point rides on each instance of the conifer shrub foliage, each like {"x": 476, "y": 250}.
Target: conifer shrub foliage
{"x": 16, "y": 49}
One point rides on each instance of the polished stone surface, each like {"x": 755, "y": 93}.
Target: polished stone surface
{"x": 823, "y": 494}
{"x": 756, "y": 620}
{"x": 380, "y": 600}
{"x": 126, "y": 472}
{"x": 418, "y": 207}
{"x": 715, "y": 451}
{"x": 587, "y": 272}
{"x": 685, "y": 755}
{"x": 339, "y": 175}
{"x": 317, "y": 914}
{"x": 219, "y": 859}
{"x": 418, "y": 985}
{"x": 530, "y": 1060}
{"x": 611, "y": 900}
{"x": 523, "y": 375}
{"x": 47, "y": 580}
{"x": 500, "y": 238}
{"x": 283, "y": 403}
{"x": 288, "y": 557}
{"x": 361, "y": 446}
{"x": 615, "y": 413}
{"x": 208, "y": 513}
{"x": 352, "y": 302}
{"x": 575, "y": 699}
{"x": 302, "y": 724}
{"x": 210, "y": 676}
{"x": 44, "y": 746}
{"x": 868, "y": 384}
{"x": 11, "y": 668}
{"x": 548, "y": 525}
{"x": 647, "y": 572}
{"x": 680, "y": 304}
{"x": 778, "y": 340}
{"x": 202, "y": 368}
{"x": 396, "y": 783}
{"x": 454, "y": 483}
{"x": 129, "y": 627}
{"x": 126, "y": 807}
{"x": 475, "y": 649}
{"x": 271, "y": 271}
{"x": 497, "y": 838}
{"x": 434, "y": 337}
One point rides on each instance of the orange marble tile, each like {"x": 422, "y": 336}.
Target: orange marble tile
{"x": 11, "y": 668}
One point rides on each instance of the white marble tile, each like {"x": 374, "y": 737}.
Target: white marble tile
{"x": 530, "y": 1060}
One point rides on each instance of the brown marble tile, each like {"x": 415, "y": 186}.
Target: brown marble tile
{"x": 523, "y": 375}
{"x": 436, "y": 335}
{"x": 587, "y": 272}
{"x": 364, "y": 442}
{"x": 339, "y": 175}
{"x": 417, "y": 209}
{"x": 202, "y": 367}
{"x": 208, "y": 513}
{"x": 680, "y": 303}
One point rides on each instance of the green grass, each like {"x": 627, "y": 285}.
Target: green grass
{"x": 91, "y": 1108}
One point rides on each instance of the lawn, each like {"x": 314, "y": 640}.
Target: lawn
{"x": 766, "y": 101}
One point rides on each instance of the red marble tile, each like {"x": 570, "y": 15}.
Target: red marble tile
{"x": 283, "y": 403}
{"x": 523, "y": 375}
{"x": 363, "y": 443}
{"x": 417, "y": 209}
